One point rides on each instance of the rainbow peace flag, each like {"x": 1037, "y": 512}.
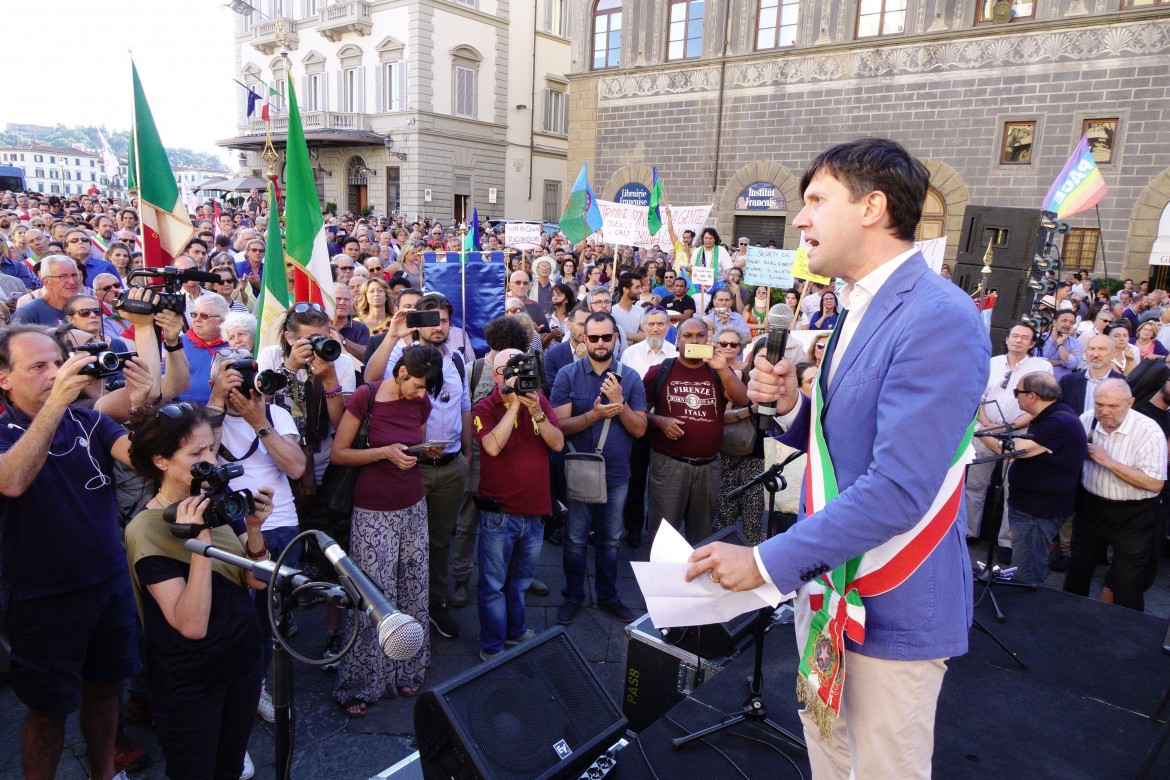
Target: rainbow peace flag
{"x": 1079, "y": 186}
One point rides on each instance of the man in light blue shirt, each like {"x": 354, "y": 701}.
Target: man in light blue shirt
{"x": 444, "y": 471}
{"x": 1060, "y": 347}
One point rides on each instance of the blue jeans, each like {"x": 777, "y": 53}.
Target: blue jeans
{"x": 1031, "y": 539}
{"x": 276, "y": 539}
{"x": 509, "y": 546}
{"x": 605, "y": 520}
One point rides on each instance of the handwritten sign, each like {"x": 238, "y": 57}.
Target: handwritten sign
{"x": 933, "y": 250}
{"x": 522, "y": 235}
{"x": 702, "y": 276}
{"x": 800, "y": 268}
{"x": 625, "y": 224}
{"x": 770, "y": 267}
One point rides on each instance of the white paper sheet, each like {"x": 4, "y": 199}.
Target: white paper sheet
{"x": 672, "y": 601}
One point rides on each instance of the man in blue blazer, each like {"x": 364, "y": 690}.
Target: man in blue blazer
{"x": 900, "y": 387}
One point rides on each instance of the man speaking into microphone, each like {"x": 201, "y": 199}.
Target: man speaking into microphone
{"x": 887, "y": 430}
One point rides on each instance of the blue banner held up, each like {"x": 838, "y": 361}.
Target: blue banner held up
{"x": 483, "y": 293}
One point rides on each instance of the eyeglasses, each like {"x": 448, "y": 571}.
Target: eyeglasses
{"x": 77, "y": 241}
{"x": 728, "y": 344}
{"x": 303, "y": 307}
{"x": 1018, "y": 392}
{"x": 198, "y": 315}
{"x": 85, "y": 313}
{"x": 255, "y": 249}
{"x": 64, "y": 276}
{"x": 820, "y": 345}
{"x": 231, "y": 352}
{"x": 109, "y": 287}
{"x": 594, "y": 338}
{"x": 226, "y": 280}
{"x": 522, "y": 284}
{"x": 1007, "y": 376}
{"x": 175, "y": 411}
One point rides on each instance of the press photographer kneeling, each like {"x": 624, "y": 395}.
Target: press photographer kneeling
{"x": 202, "y": 639}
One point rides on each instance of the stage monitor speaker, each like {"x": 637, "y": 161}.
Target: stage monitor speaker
{"x": 535, "y": 712}
{"x": 1016, "y": 237}
{"x": 717, "y": 640}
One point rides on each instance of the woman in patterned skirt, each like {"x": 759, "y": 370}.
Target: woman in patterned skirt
{"x": 388, "y": 537}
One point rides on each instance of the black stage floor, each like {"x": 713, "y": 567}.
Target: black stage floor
{"x": 1080, "y": 709}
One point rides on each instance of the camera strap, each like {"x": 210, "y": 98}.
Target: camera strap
{"x": 227, "y": 455}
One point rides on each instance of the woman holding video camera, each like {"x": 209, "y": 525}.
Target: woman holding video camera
{"x": 201, "y": 636}
{"x": 388, "y": 535}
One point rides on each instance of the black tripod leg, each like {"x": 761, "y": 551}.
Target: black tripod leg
{"x": 1152, "y": 755}
{"x": 983, "y": 629}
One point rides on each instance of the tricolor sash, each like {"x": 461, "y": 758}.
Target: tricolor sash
{"x": 99, "y": 244}
{"x": 831, "y": 606}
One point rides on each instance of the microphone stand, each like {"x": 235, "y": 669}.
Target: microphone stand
{"x": 295, "y": 587}
{"x": 754, "y": 709}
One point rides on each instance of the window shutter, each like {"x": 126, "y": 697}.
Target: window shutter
{"x": 361, "y": 80}
{"x": 340, "y": 94}
{"x": 306, "y": 98}
{"x": 403, "y": 103}
{"x": 380, "y": 75}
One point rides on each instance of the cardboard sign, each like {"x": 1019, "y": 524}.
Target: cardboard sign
{"x": 770, "y": 267}
{"x": 933, "y": 250}
{"x": 800, "y": 268}
{"x": 702, "y": 276}
{"x": 522, "y": 235}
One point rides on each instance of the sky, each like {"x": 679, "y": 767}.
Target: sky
{"x": 184, "y": 50}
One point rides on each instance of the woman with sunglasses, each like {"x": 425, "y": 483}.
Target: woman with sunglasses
{"x": 229, "y": 288}
{"x": 201, "y": 638}
{"x": 373, "y": 305}
{"x": 388, "y": 534}
{"x": 816, "y": 350}
{"x": 740, "y": 469}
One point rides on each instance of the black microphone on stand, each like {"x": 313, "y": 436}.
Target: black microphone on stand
{"x": 399, "y": 635}
{"x": 779, "y": 318}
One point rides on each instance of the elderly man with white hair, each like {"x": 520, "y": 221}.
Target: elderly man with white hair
{"x": 62, "y": 280}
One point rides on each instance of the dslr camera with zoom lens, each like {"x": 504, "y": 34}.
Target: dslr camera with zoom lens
{"x": 325, "y": 347}
{"x": 266, "y": 382}
{"x": 524, "y": 368}
{"x": 227, "y": 506}
{"x": 107, "y": 363}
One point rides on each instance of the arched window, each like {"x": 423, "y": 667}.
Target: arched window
{"x": 607, "y": 34}
{"x": 934, "y": 217}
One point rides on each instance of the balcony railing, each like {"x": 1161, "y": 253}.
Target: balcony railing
{"x": 334, "y": 21}
{"x": 272, "y": 35}
{"x": 314, "y": 120}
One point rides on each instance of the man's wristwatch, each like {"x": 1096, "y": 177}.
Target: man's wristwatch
{"x": 169, "y": 348}
{"x": 263, "y": 431}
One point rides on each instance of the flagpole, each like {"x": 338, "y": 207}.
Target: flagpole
{"x": 1101, "y": 243}
{"x": 463, "y": 275}
{"x": 140, "y": 229}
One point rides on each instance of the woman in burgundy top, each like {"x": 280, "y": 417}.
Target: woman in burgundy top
{"x": 388, "y": 537}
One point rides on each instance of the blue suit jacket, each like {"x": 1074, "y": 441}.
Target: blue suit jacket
{"x": 904, "y": 392}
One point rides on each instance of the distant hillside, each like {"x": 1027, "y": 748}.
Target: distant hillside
{"x": 87, "y": 138}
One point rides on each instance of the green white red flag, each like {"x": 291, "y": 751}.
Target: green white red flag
{"x": 165, "y": 225}
{"x": 304, "y": 229}
{"x": 273, "y": 301}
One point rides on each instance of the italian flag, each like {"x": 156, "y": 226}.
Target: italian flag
{"x": 273, "y": 301}
{"x": 303, "y": 227}
{"x": 165, "y": 225}
{"x": 266, "y": 112}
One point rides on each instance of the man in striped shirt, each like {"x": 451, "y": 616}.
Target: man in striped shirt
{"x": 1117, "y": 506}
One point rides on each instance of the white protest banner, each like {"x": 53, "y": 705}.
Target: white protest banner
{"x": 692, "y": 218}
{"x": 933, "y": 250}
{"x": 770, "y": 267}
{"x": 522, "y": 235}
{"x": 622, "y": 224}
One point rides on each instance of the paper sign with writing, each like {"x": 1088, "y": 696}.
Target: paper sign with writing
{"x": 626, "y": 224}
{"x": 933, "y": 250}
{"x": 771, "y": 267}
{"x": 702, "y": 276}
{"x": 522, "y": 235}
{"x": 800, "y": 269}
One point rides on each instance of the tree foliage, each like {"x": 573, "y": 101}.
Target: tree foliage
{"x": 87, "y": 138}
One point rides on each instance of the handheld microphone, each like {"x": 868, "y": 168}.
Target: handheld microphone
{"x": 400, "y": 635}
{"x": 195, "y": 275}
{"x": 779, "y": 318}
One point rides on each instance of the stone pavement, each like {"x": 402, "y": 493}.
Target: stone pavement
{"x": 332, "y": 747}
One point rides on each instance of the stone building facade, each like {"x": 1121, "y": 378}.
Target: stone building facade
{"x": 993, "y": 97}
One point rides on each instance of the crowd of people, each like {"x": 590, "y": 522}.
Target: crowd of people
{"x": 466, "y": 464}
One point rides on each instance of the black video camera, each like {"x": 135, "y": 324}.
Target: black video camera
{"x": 325, "y": 347}
{"x": 106, "y": 363}
{"x": 170, "y": 292}
{"x": 227, "y": 506}
{"x": 524, "y": 368}
{"x": 256, "y": 381}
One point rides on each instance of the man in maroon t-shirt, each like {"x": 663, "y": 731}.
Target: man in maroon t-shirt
{"x": 686, "y": 432}
{"x": 515, "y": 431}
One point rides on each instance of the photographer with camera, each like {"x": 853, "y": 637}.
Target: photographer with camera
{"x": 201, "y": 637}
{"x": 263, "y": 439}
{"x": 516, "y": 429}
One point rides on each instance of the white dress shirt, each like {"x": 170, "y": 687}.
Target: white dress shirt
{"x": 1138, "y": 443}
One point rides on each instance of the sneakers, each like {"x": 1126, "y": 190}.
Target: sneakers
{"x": 619, "y": 611}
{"x": 567, "y": 612}
{"x": 128, "y": 756}
{"x": 333, "y": 645}
{"x": 538, "y": 588}
{"x": 487, "y": 655}
{"x": 264, "y": 707}
{"x": 460, "y": 594}
{"x": 527, "y": 636}
{"x": 443, "y": 622}
{"x": 249, "y": 767}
